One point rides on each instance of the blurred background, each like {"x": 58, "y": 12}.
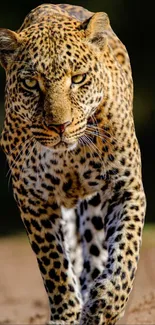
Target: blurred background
{"x": 134, "y": 23}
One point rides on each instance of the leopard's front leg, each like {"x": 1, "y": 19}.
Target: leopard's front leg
{"x": 123, "y": 227}
{"x": 44, "y": 226}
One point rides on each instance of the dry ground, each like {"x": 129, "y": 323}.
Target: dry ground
{"x": 23, "y": 299}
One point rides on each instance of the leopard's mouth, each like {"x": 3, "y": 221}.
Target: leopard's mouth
{"x": 50, "y": 138}
{"x": 59, "y": 145}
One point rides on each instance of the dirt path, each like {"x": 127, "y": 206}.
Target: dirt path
{"x": 23, "y": 299}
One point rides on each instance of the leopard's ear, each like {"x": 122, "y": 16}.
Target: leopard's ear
{"x": 9, "y": 43}
{"x": 95, "y": 28}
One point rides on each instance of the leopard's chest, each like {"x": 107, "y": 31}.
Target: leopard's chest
{"x": 78, "y": 182}
{"x": 67, "y": 177}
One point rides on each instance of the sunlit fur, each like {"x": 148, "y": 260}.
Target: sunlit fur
{"x": 74, "y": 159}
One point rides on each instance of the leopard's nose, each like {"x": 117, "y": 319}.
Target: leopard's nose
{"x": 59, "y": 128}
{"x": 62, "y": 127}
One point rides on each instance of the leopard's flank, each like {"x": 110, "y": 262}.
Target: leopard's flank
{"x": 70, "y": 142}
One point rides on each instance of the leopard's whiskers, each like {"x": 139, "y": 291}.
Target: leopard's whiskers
{"x": 93, "y": 147}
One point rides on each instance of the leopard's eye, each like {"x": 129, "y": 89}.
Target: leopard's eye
{"x": 79, "y": 78}
{"x": 30, "y": 83}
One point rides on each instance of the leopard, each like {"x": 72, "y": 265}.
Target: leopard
{"x": 71, "y": 146}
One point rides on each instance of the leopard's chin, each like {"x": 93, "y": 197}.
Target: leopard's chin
{"x": 61, "y": 146}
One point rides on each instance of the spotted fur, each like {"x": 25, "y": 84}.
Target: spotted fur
{"x": 70, "y": 142}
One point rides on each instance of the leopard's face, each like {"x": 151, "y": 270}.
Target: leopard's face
{"x": 55, "y": 83}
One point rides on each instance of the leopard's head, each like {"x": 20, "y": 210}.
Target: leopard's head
{"x": 56, "y": 77}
